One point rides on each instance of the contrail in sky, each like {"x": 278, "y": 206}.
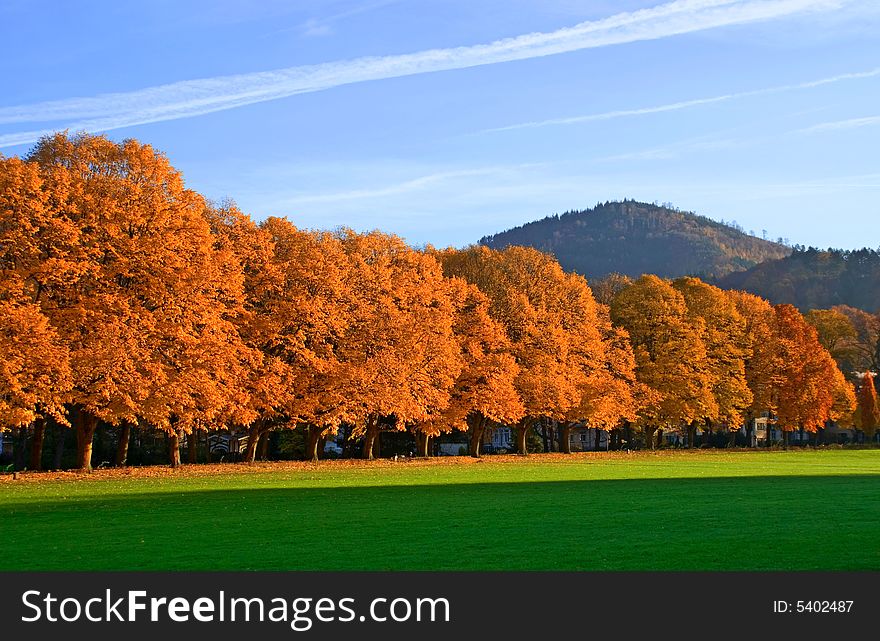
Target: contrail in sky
{"x": 190, "y": 98}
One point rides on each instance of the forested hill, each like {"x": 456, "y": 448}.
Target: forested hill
{"x": 815, "y": 279}
{"x": 633, "y": 238}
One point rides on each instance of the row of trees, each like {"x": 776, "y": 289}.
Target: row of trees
{"x": 851, "y": 335}
{"x": 811, "y": 278}
{"x": 127, "y": 299}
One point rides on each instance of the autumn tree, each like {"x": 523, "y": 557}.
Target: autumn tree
{"x": 129, "y": 276}
{"x": 550, "y": 318}
{"x": 763, "y": 363}
{"x": 297, "y": 310}
{"x": 727, "y": 349}
{"x": 670, "y": 354}
{"x": 610, "y": 393}
{"x": 34, "y": 363}
{"x": 34, "y": 373}
{"x": 837, "y": 334}
{"x": 605, "y": 289}
{"x": 844, "y": 405}
{"x": 865, "y": 349}
{"x": 399, "y": 357}
{"x": 58, "y": 261}
{"x": 484, "y": 391}
{"x": 266, "y": 380}
{"x": 809, "y": 382}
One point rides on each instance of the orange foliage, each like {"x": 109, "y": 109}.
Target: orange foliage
{"x": 810, "y": 384}
{"x": 129, "y": 299}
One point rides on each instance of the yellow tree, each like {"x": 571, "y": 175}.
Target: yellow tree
{"x": 865, "y": 348}
{"x": 34, "y": 363}
{"x": 297, "y": 310}
{"x": 844, "y": 406}
{"x": 868, "y": 412}
{"x": 836, "y": 333}
{"x": 485, "y": 389}
{"x": 670, "y": 353}
{"x": 611, "y": 393}
{"x": 268, "y": 379}
{"x": 810, "y": 383}
{"x": 399, "y": 355}
{"x": 144, "y": 301}
{"x": 727, "y": 349}
{"x": 550, "y": 318}
{"x": 763, "y": 364}
{"x": 316, "y": 315}
{"x": 59, "y": 261}
{"x": 34, "y": 372}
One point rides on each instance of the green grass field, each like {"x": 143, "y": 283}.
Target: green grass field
{"x": 672, "y": 511}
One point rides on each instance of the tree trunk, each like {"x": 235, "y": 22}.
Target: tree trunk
{"x": 422, "y": 442}
{"x": 85, "y": 425}
{"x": 250, "y": 452}
{"x": 122, "y": 447}
{"x": 544, "y": 440}
{"x": 522, "y": 432}
{"x": 192, "y": 447}
{"x": 174, "y": 448}
{"x": 649, "y": 436}
{"x": 475, "y": 442}
{"x": 36, "y": 462}
{"x": 660, "y": 438}
{"x": 565, "y": 441}
{"x": 370, "y": 438}
{"x": 692, "y": 435}
{"x": 785, "y": 438}
{"x": 312, "y": 442}
{"x": 263, "y": 446}
{"x": 731, "y": 438}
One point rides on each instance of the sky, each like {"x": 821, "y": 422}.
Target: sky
{"x": 447, "y": 120}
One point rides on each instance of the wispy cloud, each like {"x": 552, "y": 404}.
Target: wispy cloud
{"x": 324, "y": 26}
{"x": 197, "y": 97}
{"x": 836, "y": 125}
{"x": 685, "y": 104}
{"x": 404, "y": 187}
{"x": 677, "y": 149}
{"x": 722, "y": 140}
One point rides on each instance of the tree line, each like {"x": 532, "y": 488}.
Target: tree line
{"x": 811, "y": 278}
{"x": 129, "y": 300}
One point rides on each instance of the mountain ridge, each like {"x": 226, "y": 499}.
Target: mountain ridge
{"x": 631, "y": 238}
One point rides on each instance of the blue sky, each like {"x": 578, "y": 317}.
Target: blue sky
{"x": 445, "y": 120}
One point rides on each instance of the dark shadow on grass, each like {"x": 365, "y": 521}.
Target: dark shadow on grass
{"x": 719, "y": 523}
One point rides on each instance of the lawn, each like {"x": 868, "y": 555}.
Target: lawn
{"x": 796, "y": 510}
